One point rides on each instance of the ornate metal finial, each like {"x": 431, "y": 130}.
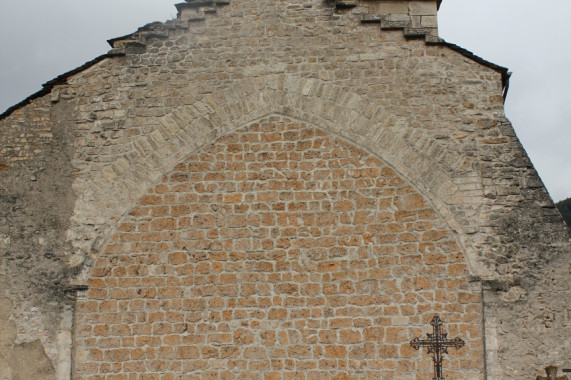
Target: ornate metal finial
{"x": 437, "y": 344}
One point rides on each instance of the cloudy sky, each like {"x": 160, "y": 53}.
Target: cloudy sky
{"x": 41, "y": 39}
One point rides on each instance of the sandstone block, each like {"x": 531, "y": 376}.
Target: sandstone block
{"x": 423, "y": 8}
{"x": 390, "y": 7}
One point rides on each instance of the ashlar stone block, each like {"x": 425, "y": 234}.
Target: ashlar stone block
{"x": 423, "y": 8}
{"x": 428, "y": 21}
{"x": 389, "y": 7}
{"x": 190, "y": 13}
{"x": 398, "y": 17}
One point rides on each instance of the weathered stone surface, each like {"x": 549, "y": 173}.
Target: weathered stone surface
{"x": 309, "y": 246}
{"x": 389, "y": 7}
{"x": 29, "y": 362}
{"x": 429, "y": 22}
{"x": 7, "y": 332}
{"x": 423, "y": 8}
{"x": 77, "y": 174}
{"x": 36, "y": 204}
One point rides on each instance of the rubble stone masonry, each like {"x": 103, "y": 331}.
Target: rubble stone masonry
{"x": 283, "y": 250}
{"x": 277, "y": 189}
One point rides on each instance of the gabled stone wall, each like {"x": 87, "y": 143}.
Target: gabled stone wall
{"x": 94, "y": 143}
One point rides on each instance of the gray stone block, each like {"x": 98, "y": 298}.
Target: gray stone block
{"x": 429, "y": 21}
{"x": 423, "y": 8}
{"x": 388, "y": 7}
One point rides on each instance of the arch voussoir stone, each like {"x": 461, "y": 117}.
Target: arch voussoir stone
{"x": 187, "y": 128}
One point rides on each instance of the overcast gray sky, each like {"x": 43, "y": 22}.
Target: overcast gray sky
{"x": 40, "y": 40}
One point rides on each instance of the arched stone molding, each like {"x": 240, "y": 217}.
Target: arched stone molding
{"x": 277, "y": 213}
{"x": 435, "y": 171}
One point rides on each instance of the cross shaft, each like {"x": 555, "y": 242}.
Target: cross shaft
{"x": 437, "y": 344}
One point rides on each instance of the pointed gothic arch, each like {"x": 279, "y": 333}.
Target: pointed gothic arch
{"x": 278, "y": 246}
{"x": 437, "y": 172}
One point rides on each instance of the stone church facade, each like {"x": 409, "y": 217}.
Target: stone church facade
{"x": 277, "y": 189}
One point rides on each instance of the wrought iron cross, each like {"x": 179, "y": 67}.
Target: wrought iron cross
{"x": 437, "y": 344}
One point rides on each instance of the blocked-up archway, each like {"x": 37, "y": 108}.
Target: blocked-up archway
{"x": 278, "y": 251}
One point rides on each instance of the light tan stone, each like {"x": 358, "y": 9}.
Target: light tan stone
{"x": 423, "y": 7}
{"x": 390, "y": 7}
{"x": 429, "y": 22}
